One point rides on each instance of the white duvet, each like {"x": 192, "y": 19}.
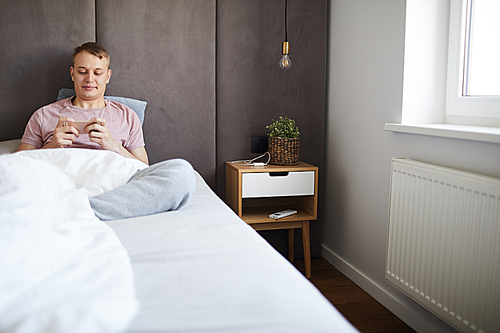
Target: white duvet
{"x": 61, "y": 268}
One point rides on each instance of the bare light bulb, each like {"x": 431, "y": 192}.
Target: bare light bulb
{"x": 285, "y": 61}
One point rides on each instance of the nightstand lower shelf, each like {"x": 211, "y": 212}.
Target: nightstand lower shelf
{"x": 261, "y": 214}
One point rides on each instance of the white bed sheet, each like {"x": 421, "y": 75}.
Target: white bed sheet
{"x": 202, "y": 269}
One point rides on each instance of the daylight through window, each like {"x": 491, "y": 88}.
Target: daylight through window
{"x": 482, "y": 49}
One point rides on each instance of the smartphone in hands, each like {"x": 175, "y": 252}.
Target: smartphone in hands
{"x": 81, "y": 124}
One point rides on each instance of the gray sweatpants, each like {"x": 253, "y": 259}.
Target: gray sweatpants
{"x": 163, "y": 186}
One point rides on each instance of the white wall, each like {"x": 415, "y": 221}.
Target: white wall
{"x": 365, "y": 78}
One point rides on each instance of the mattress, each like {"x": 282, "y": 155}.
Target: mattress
{"x": 203, "y": 269}
{"x": 197, "y": 269}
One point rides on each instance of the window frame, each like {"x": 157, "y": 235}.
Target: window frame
{"x": 425, "y": 71}
{"x": 464, "y": 110}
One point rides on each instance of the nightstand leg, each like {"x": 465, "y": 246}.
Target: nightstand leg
{"x": 307, "y": 248}
{"x": 290, "y": 245}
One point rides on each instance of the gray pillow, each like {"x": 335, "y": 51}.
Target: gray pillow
{"x": 10, "y": 146}
{"x": 138, "y": 106}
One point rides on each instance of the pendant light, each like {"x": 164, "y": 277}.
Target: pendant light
{"x": 285, "y": 62}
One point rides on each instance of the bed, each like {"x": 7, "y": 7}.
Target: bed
{"x": 198, "y": 269}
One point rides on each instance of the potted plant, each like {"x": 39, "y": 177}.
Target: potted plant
{"x": 284, "y": 141}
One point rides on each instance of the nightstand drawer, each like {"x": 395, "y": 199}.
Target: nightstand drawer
{"x": 271, "y": 184}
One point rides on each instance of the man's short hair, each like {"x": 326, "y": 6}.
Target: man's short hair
{"x": 92, "y": 48}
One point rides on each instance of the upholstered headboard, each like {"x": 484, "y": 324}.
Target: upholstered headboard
{"x": 37, "y": 40}
{"x": 151, "y": 48}
{"x": 207, "y": 69}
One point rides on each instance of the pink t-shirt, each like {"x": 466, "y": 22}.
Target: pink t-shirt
{"x": 123, "y": 124}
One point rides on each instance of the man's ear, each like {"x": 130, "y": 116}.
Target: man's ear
{"x": 71, "y": 72}
{"x": 109, "y": 75}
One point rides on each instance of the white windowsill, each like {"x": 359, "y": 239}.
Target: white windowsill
{"x": 476, "y": 133}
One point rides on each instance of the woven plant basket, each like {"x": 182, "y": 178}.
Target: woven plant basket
{"x": 284, "y": 151}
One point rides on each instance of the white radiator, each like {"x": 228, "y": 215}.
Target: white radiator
{"x": 444, "y": 242}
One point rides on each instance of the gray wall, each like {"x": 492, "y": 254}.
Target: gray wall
{"x": 365, "y": 76}
{"x": 37, "y": 39}
{"x": 252, "y": 90}
{"x": 163, "y": 52}
{"x": 208, "y": 70}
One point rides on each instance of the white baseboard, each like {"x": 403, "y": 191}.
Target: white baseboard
{"x": 404, "y": 309}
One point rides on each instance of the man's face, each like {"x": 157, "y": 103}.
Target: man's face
{"x": 90, "y": 75}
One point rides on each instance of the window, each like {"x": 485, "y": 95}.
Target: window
{"x": 481, "y": 49}
{"x": 473, "y": 86}
{"x": 433, "y": 102}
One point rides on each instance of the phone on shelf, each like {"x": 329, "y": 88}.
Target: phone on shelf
{"x": 283, "y": 213}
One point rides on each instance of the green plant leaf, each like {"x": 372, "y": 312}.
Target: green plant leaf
{"x": 283, "y": 128}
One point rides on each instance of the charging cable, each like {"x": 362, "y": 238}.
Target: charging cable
{"x": 252, "y": 161}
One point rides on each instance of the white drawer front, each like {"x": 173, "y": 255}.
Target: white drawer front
{"x": 273, "y": 184}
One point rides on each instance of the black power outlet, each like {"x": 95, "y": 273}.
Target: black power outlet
{"x": 259, "y": 144}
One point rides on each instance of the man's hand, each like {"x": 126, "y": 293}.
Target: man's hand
{"x": 64, "y": 134}
{"x": 99, "y": 133}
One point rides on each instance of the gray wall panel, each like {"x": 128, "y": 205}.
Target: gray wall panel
{"x": 252, "y": 90}
{"x": 37, "y": 38}
{"x": 163, "y": 52}
{"x": 208, "y": 70}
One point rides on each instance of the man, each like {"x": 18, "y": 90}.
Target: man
{"x": 115, "y": 127}
{"x": 90, "y": 73}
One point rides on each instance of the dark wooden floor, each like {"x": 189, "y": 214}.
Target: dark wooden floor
{"x": 357, "y": 306}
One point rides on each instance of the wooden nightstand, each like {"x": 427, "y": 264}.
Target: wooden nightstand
{"x": 254, "y": 192}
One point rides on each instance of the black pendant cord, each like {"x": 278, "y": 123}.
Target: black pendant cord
{"x": 286, "y": 29}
